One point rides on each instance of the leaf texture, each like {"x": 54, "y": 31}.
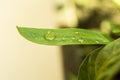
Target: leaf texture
{"x": 67, "y": 36}
{"x": 101, "y": 64}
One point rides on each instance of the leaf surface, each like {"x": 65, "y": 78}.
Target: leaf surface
{"x": 115, "y": 28}
{"x": 67, "y": 36}
{"x": 101, "y": 64}
{"x": 87, "y": 68}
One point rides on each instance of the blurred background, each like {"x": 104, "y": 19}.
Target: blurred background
{"x": 24, "y": 60}
{"x": 19, "y": 58}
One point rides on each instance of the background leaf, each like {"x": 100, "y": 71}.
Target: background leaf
{"x": 101, "y": 65}
{"x": 87, "y": 68}
{"x": 108, "y": 61}
{"x": 72, "y": 76}
{"x": 67, "y": 36}
{"x": 115, "y": 28}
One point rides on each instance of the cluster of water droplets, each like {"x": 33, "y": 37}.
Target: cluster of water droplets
{"x": 50, "y": 35}
{"x": 78, "y": 38}
{"x": 75, "y": 37}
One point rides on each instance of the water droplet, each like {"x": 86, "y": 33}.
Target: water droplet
{"x": 50, "y": 35}
{"x": 81, "y": 40}
{"x": 76, "y": 32}
{"x": 63, "y": 38}
{"x": 97, "y": 41}
{"x": 77, "y": 38}
{"x": 73, "y": 38}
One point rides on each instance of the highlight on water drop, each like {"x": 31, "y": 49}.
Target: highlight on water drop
{"x": 73, "y": 38}
{"x": 50, "y": 35}
{"x": 80, "y": 40}
{"x": 76, "y": 32}
{"x": 63, "y": 38}
{"x": 97, "y": 41}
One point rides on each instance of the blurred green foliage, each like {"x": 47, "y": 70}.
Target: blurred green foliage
{"x": 100, "y": 15}
{"x": 88, "y": 13}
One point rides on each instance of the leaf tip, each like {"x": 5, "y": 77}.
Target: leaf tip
{"x": 17, "y": 27}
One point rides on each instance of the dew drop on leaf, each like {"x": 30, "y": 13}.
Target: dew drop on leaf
{"x": 73, "y": 38}
{"x": 63, "y": 38}
{"x": 80, "y": 40}
{"x": 76, "y": 32}
{"x": 50, "y": 35}
{"x": 97, "y": 41}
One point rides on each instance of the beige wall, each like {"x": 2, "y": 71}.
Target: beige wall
{"x": 19, "y": 58}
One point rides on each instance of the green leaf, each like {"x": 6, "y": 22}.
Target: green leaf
{"x": 108, "y": 61}
{"x": 67, "y": 36}
{"x": 72, "y": 76}
{"x": 101, "y": 64}
{"x": 115, "y": 28}
{"x": 87, "y": 68}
